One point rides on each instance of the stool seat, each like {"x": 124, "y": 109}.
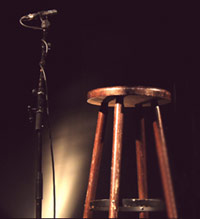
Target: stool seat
{"x": 132, "y": 95}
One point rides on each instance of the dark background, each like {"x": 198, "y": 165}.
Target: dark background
{"x": 96, "y": 45}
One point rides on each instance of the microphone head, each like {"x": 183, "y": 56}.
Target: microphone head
{"x": 33, "y": 16}
{"x": 49, "y": 12}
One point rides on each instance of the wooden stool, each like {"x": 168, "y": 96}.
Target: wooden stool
{"x": 120, "y": 97}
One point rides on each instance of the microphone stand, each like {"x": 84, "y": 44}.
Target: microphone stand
{"x": 39, "y": 113}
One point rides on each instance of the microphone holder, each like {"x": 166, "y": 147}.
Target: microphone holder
{"x": 41, "y": 109}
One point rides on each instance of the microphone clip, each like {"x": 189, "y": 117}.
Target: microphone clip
{"x": 45, "y": 24}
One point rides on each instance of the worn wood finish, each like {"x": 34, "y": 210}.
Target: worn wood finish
{"x": 132, "y": 95}
{"x": 164, "y": 166}
{"x": 116, "y": 158}
{"x": 96, "y": 160}
{"x": 121, "y": 97}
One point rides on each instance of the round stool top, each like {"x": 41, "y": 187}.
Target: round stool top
{"x": 132, "y": 95}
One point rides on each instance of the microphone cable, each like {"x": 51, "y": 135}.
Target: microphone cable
{"x": 28, "y": 26}
{"x": 50, "y": 138}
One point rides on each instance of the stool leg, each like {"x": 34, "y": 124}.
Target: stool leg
{"x": 96, "y": 160}
{"x": 116, "y": 158}
{"x": 141, "y": 163}
{"x": 164, "y": 166}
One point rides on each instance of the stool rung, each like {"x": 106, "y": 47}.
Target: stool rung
{"x": 136, "y": 205}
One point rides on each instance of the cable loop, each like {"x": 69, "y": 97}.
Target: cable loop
{"x": 28, "y": 26}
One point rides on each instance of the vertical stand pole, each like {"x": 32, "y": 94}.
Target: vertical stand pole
{"x": 39, "y": 121}
{"x": 38, "y": 129}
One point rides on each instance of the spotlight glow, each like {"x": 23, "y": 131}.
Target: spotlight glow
{"x": 71, "y": 155}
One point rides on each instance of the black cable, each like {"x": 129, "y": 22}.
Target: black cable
{"x": 53, "y": 168}
{"x": 50, "y": 139}
{"x": 49, "y": 128}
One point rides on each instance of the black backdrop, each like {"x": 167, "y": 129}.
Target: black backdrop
{"x": 95, "y": 45}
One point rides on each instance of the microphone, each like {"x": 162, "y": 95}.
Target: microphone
{"x": 33, "y": 16}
